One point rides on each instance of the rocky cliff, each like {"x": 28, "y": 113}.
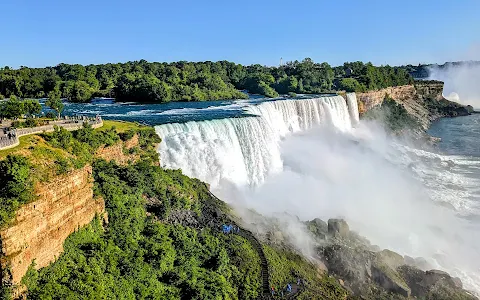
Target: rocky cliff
{"x": 122, "y": 153}
{"x": 62, "y": 205}
{"x": 424, "y": 101}
{"x": 40, "y": 227}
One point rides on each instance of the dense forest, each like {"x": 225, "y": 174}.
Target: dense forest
{"x": 144, "y": 81}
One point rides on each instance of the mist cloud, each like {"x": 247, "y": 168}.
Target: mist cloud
{"x": 371, "y": 181}
{"x": 462, "y": 82}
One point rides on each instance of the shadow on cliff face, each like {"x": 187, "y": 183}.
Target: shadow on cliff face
{"x": 365, "y": 178}
{"x": 461, "y": 82}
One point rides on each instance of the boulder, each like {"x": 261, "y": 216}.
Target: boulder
{"x": 433, "y": 276}
{"x": 183, "y": 217}
{"x": 338, "y": 227}
{"x": 470, "y": 109}
{"x": 390, "y": 279}
{"x": 446, "y": 290}
{"x": 318, "y": 227}
{"x": 384, "y": 272}
{"x": 433, "y": 284}
{"x": 320, "y": 224}
{"x": 414, "y": 278}
{"x": 353, "y": 265}
{"x": 390, "y": 258}
{"x": 277, "y": 237}
{"x": 457, "y": 282}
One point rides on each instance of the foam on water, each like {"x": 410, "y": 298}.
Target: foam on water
{"x": 245, "y": 150}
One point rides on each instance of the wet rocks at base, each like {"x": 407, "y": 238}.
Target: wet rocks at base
{"x": 371, "y": 273}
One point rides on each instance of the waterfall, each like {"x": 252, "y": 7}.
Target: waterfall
{"x": 246, "y": 150}
{"x": 353, "y": 108}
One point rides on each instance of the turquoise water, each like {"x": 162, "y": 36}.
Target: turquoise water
{"x": 155, "y": 114}
{"x": 460, "y": 136}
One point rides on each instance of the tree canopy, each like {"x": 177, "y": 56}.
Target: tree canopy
{"x": 194, "y": 81}
{"x": 15, "y": 108}
{"x": 54, "y": 101}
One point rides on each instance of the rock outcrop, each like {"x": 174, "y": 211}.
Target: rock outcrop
{"x": 40, "y": 227}
{"x": 338, "y": 227}
{"x": 424, "y": 101}
{"x": 121, "y": 152}
{"x": 378, "y": 274}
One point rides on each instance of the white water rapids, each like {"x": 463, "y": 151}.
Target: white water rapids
{"x": 246, "y": 150}
{"x": 314, "y": 158}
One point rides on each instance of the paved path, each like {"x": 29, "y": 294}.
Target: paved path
{"x": 70, "y": 124}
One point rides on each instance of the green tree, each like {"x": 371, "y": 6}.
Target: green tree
{"x": 32, "y": 107}
{"x": 12, "y": 108}
{"x": 351, "y": 85}
{"x": 16, "y": 186}
{"x": 81, "y": 92}
{"x": 54, "y": 101}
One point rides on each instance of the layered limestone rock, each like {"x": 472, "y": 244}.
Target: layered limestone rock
{"x": 39, "y": 228}
{"x": 424, "y": 101}
{"x": 412, "y": 99}
{"x": 120, "y": 152}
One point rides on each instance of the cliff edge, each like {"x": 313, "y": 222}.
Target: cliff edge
{"x": 424, "y": 101}
{"x": 59, "y": 176}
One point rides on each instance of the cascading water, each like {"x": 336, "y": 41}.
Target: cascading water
{"x": 245, "y": 150}
{"x": 275, "y": 160}
{"x": 353, "y": 108}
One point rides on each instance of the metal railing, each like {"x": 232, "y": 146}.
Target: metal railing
{"x": 69, "y": 124}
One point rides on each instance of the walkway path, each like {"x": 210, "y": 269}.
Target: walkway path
{"x": 263, "y": 260}
{"x": 6, "y": 142}
{"x": 248, "y": 235}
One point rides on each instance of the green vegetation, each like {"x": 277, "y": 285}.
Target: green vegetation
{"x": 286, "y": 267}
{"x": 30, "y": 122}
{"x": 147, "y": 250}
{"x": 31, "y": 107}
{"x": 351, "y": 85}
{"x": 187, "y": 81}
{"x": 141, "y": 257}
{"x": 120, "y": 126}
{"x": 39, "y": 158}
{"x": 16, "y": 186}
{"x": 140, "y": 254}
{"x": 54, "y": 101}
{"x": 14, "y": 108}
{"x": 394, "y": 115}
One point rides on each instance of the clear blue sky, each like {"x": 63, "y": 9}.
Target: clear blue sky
{"x": 41, "y": 33}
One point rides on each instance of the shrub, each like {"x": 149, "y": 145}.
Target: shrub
{"x": 16, "y": 186}
{"x": 51, "y": 115}
{"x": 31, "y": 122}
{"x": 127, "y": 135}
